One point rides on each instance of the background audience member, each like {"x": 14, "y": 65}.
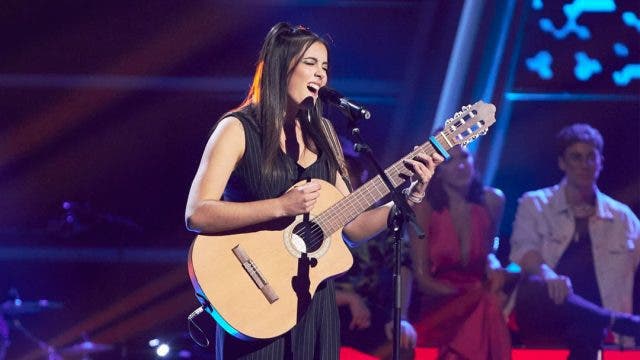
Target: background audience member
{"x": 460, "y": 280}
{"x": 579, "y": 249}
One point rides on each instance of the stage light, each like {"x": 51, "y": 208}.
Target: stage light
{"x": 163, "y": 350}
{"x": 154, "y": 342}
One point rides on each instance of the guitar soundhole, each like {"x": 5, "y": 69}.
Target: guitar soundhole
{"x": 307, "y": 237}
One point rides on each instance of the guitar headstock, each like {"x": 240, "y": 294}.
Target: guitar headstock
{"x": 469, "y": 123}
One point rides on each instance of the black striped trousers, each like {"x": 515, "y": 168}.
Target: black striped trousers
{"x": 315, "y": 337}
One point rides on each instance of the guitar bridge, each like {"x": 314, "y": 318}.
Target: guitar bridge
{"x": 255, "y": 274}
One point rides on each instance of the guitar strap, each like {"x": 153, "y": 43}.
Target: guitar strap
{"x": 330, "y": 134}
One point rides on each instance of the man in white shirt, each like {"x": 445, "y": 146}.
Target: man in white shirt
{"x": 579, "y": 249}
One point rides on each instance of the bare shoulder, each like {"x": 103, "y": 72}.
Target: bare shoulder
{"x": 223, "y": 151}
{"x": 229, "y": 126}
{"x": 494, "y": 198}
{"x": 227, "y": 138}
{"x": 493, "y": 194}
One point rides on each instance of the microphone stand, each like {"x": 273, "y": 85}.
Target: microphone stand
{"x": 399, "y": 214}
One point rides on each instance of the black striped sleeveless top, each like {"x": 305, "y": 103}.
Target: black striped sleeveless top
{"x": 245, "y": 183}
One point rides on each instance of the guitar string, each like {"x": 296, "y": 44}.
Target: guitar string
{"x": 329, "y": 219}
{"x": 356, "y": 203}
{"x": 352, "y": 201}
{"x": 332, "y": 220}
{"x": 332, "y": 214}
{"x": 335, "y": 219}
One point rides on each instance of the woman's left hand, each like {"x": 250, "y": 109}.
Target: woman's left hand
{"x": 423, "y": 167}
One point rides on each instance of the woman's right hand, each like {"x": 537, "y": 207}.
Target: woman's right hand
{"x": 300, "y": 199}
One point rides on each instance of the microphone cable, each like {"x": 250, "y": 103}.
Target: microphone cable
{"x": 191, "y": 324}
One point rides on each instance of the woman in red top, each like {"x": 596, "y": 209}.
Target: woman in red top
{"x": 458, "y": 278}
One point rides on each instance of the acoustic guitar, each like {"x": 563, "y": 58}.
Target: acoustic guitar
{"x": 258, "y": 281}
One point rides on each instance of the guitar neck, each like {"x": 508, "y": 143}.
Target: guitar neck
{"x": 347, "y": 209}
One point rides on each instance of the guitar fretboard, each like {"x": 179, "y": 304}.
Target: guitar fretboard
{"x": 347, "y": 209}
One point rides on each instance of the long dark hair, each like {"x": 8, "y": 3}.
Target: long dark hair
{"x": 438, "y": 198}
{"x": 284, "y": 45}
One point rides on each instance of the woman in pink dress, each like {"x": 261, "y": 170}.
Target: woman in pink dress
{"x": 458, "y": 278}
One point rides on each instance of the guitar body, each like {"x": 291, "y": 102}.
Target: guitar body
{"x": 234, "y": 298}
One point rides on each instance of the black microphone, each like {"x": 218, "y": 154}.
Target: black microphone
{"x": 347, "y": 106}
